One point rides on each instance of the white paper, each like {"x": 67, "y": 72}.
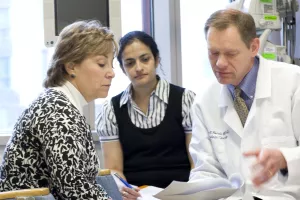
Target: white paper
{"x": 202, "y": 195}
{"x": 211, "y": 188}
{"x": 148, "y": 192}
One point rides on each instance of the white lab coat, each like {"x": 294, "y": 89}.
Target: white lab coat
{"x": 219, "y": 138}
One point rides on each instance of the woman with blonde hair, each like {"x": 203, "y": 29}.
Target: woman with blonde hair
{"x": 51, "y": 145}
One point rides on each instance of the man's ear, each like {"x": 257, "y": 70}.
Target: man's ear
{"x": 254, "y": 47}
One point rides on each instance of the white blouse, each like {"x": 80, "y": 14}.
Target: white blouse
{"x": 73, "y": 95}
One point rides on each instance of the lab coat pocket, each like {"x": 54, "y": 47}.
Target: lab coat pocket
{"x": 218, "y": 145}
{"x": 278, "y": 142}
{"x": 220, "y": 151}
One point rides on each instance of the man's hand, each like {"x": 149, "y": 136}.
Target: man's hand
{"x": 271, "y": 161}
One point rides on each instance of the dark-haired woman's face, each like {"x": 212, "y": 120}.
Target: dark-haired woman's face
{"x": 139, "y": 64}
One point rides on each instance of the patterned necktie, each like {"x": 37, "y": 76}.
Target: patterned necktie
{"x": 240, "y": 105}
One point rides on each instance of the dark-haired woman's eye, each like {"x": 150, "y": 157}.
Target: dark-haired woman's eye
{"x": 129, "y": 64}
{"x": 145, "y": 59}
{"x": 101, "y": 65}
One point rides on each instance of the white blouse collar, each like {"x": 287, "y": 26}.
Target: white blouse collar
{"x": 73, "y": 95}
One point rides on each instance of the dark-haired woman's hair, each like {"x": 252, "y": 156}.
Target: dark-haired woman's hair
{"x": 140, "y": 36}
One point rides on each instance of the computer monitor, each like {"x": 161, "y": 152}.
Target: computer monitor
{"x": 60, "y": 13}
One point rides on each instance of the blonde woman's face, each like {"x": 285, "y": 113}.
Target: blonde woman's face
{"x": 93, "y": 76}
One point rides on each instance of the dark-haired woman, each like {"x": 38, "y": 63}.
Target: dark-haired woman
{"x": 145, "y": 131}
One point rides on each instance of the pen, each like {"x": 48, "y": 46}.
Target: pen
{"x": 123, "y": 181}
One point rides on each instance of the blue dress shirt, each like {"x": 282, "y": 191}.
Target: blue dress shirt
{"x": 247, "y": 85}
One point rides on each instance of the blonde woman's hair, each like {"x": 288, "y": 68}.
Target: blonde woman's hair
{"x": 75, "y": 43}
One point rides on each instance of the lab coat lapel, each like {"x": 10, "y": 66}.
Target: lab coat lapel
{"x": 262, "y": 91}
{"x": 263, "y": 83}
{"x": 228, "y": 112}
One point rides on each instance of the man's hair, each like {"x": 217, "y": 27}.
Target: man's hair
{"x": 244, "y": 22}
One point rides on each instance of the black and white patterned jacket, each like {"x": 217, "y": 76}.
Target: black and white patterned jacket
{"x": 52, "y": 146}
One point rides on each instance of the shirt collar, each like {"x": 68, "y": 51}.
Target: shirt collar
{"x": 248, "y": 84}
{"x": 161, "y": 91}
{"x": 73, "y": 95}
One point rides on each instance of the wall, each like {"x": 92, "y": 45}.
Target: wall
{"x": 167, "y": 35}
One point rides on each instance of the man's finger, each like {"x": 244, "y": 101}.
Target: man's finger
{"x": 252, "y": 153}
{"x": 265, "y": 175}
{"x": 260, "y": 178}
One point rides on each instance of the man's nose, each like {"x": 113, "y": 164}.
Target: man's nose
{"x": 222, "y": 61}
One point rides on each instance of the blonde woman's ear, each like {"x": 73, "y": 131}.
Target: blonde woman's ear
{"x": 70, "y": 69}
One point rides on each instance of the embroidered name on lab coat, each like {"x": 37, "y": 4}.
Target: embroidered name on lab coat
{"x": 218, "y": 135}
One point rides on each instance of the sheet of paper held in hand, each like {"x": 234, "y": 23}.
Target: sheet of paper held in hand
{"x": 148, "y": 192}
{"x": 212, "y": 188}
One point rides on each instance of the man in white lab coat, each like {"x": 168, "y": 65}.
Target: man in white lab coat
{"x": 248, "y": 121}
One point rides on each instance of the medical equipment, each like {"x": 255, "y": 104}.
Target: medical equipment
{"x": 272, "y": 51}
{"x": 272, "y": 15}
{"x": 58, "y": 14}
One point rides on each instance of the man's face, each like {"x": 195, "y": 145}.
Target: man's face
{"x": 229, "y": 56}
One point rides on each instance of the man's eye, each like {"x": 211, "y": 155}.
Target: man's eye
{"x": 231, "y": 54}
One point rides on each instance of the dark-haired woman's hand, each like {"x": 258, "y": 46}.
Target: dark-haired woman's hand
{"x": 130, "y": 194}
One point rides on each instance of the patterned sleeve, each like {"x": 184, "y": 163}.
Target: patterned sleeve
{"x": 68, "y": 161}
{"x": 187, "y": 102}
{"x": 107, "y": 126}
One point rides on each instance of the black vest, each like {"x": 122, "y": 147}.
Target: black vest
{"x": 158, "y": 155}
